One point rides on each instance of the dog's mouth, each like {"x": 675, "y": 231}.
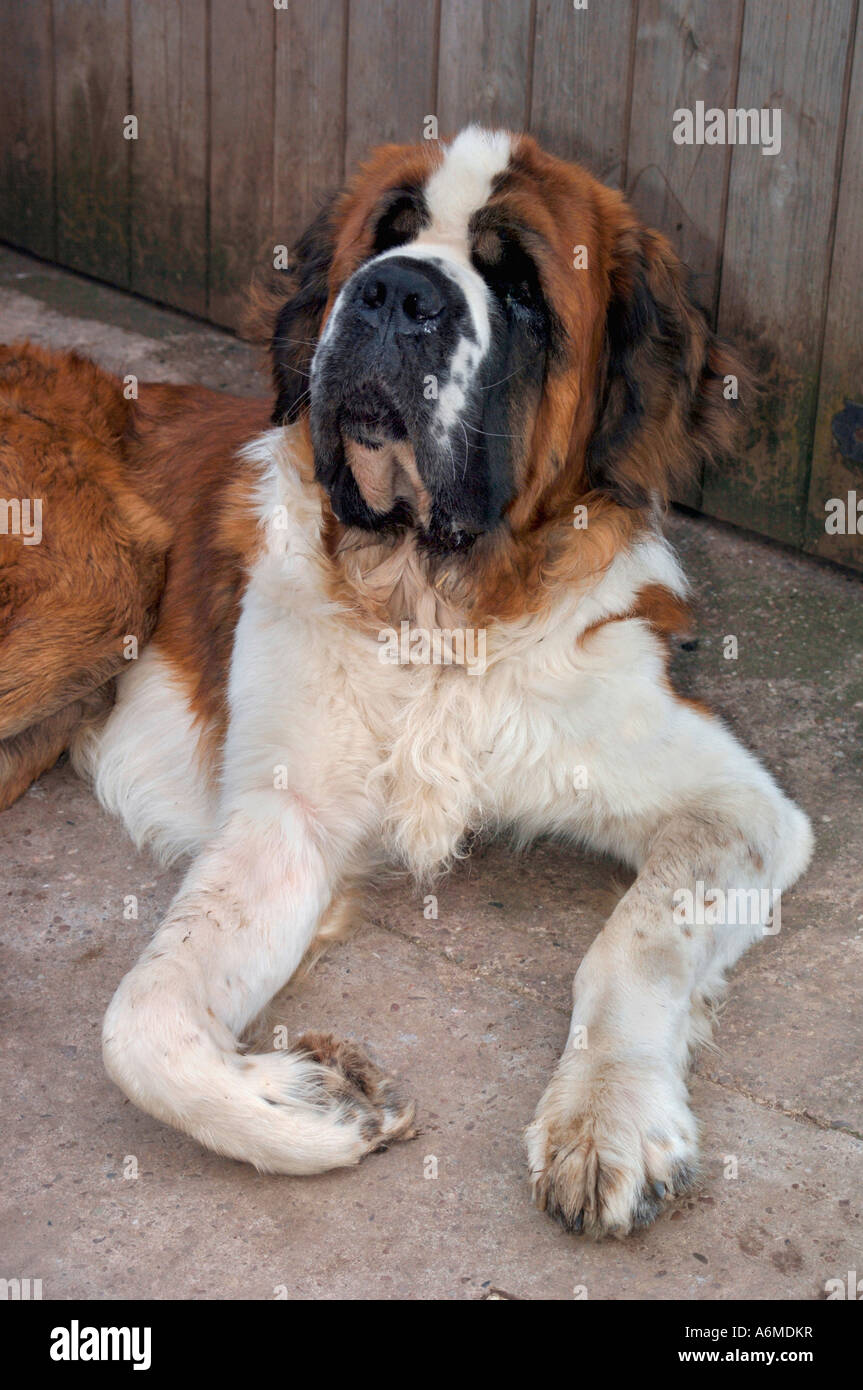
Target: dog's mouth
{"x": 367, "y": 457}
{"x": 381, "y": 457}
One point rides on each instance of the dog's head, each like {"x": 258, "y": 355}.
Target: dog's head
{"x": 482, "y": 334}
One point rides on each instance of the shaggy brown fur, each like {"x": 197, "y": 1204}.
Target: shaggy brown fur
{"x": 68, "y": 604}
{"x": 122, "y": 483}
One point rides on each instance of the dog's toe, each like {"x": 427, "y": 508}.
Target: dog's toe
{"x": 608, "y": 1149}
{"x": 364, "y": 1092}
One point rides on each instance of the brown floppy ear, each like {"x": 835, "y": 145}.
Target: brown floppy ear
{"x": 286, "y": 312}
{"x": 669, "y": 392}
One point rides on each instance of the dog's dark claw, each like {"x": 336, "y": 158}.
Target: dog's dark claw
{"x": 659, "y": 1189}
{"x": 682, "y": 1177}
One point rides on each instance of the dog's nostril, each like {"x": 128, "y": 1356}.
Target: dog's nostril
{"x": 420, "y": 306}
{"x": 374, "y": 292}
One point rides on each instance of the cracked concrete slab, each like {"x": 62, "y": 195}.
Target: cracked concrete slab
{"x": 470, "y": 1007}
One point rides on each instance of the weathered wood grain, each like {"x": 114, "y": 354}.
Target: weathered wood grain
{"x": 837, "y": 463}
{"x": 27, "y": 126}
{"x": 483, "y": 71}
{"x": 581, "y": 78}
{"x": 685, "y": 51}
{"x": 774, "y": 271}
{"x": 242, "y": 87}
{"x": 92, "y": 77}
{"x": 391, "y": 73}
{"x": 309, "y": 125}
{"x": 169, "y": 158}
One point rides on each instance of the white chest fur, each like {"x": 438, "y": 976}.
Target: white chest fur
{"x": 419, "y": 751}
{"x": 407, "y": 756}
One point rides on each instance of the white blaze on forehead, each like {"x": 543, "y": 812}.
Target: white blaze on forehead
{"x": 463, "y": 182}
{"x": 461, "y": 185}
{"x": 458, "y": 188}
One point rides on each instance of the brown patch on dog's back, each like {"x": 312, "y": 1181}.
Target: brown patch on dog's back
{"x": 69, "y": 603}
{"x": 123, "y": 484}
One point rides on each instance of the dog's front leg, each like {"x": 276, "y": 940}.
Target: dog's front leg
{"x": 235, "y": 933}
{"x": 613, "y": 1133}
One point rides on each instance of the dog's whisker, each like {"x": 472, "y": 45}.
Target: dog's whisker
{"x": 488, "y": 433}
{"x": 296, "y": 371}
{"x": 295, "y": 342}
{"x": 492, "y": 384}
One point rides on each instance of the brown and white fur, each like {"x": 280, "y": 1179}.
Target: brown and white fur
{"x": 260, "y": 731}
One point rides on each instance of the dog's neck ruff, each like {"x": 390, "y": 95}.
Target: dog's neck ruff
{"x": 589, "y": 574}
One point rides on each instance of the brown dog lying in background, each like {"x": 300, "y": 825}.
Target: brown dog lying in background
{"x": 124, "y": 478}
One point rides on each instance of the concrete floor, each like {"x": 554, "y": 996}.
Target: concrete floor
{"x": 471, "y": 1010}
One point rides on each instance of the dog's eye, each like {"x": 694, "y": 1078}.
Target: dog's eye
{"x": 400, "y": 222}
{"x": 521, "y": 295}
{"x": 510, "y": 272}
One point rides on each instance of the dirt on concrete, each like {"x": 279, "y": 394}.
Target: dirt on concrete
{"x": 470, "y": 1009}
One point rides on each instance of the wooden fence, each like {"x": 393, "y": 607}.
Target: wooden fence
{"x": 247, "y": 110}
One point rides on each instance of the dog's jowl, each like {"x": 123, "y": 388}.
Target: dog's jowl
{"x": 310, "y": 590}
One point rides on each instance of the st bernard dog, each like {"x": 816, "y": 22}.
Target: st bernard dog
{"x": 489, "y": 379}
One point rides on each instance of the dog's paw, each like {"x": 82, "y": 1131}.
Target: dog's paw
{"x": 362, "y": 1092}
{"x": 611, "y": 1143}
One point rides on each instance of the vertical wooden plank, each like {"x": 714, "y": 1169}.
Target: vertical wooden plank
{"x": 774, "y": 273}
{"x": 483, "y": 67}
{"x": 91, "y": 70}
{"x": 242, "y": 38}
{"x": 309, "y": 125}
{"x": 169, "y": 158}
{"x": 837, "y": 464}
{"x": 581, "y": 73}
{"x": 685, "y": 51}
{"x": 27, "y": 125}
{"x": 392, "y": 73}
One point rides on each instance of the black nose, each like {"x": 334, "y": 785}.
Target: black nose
{"x": 399, "y": 298}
